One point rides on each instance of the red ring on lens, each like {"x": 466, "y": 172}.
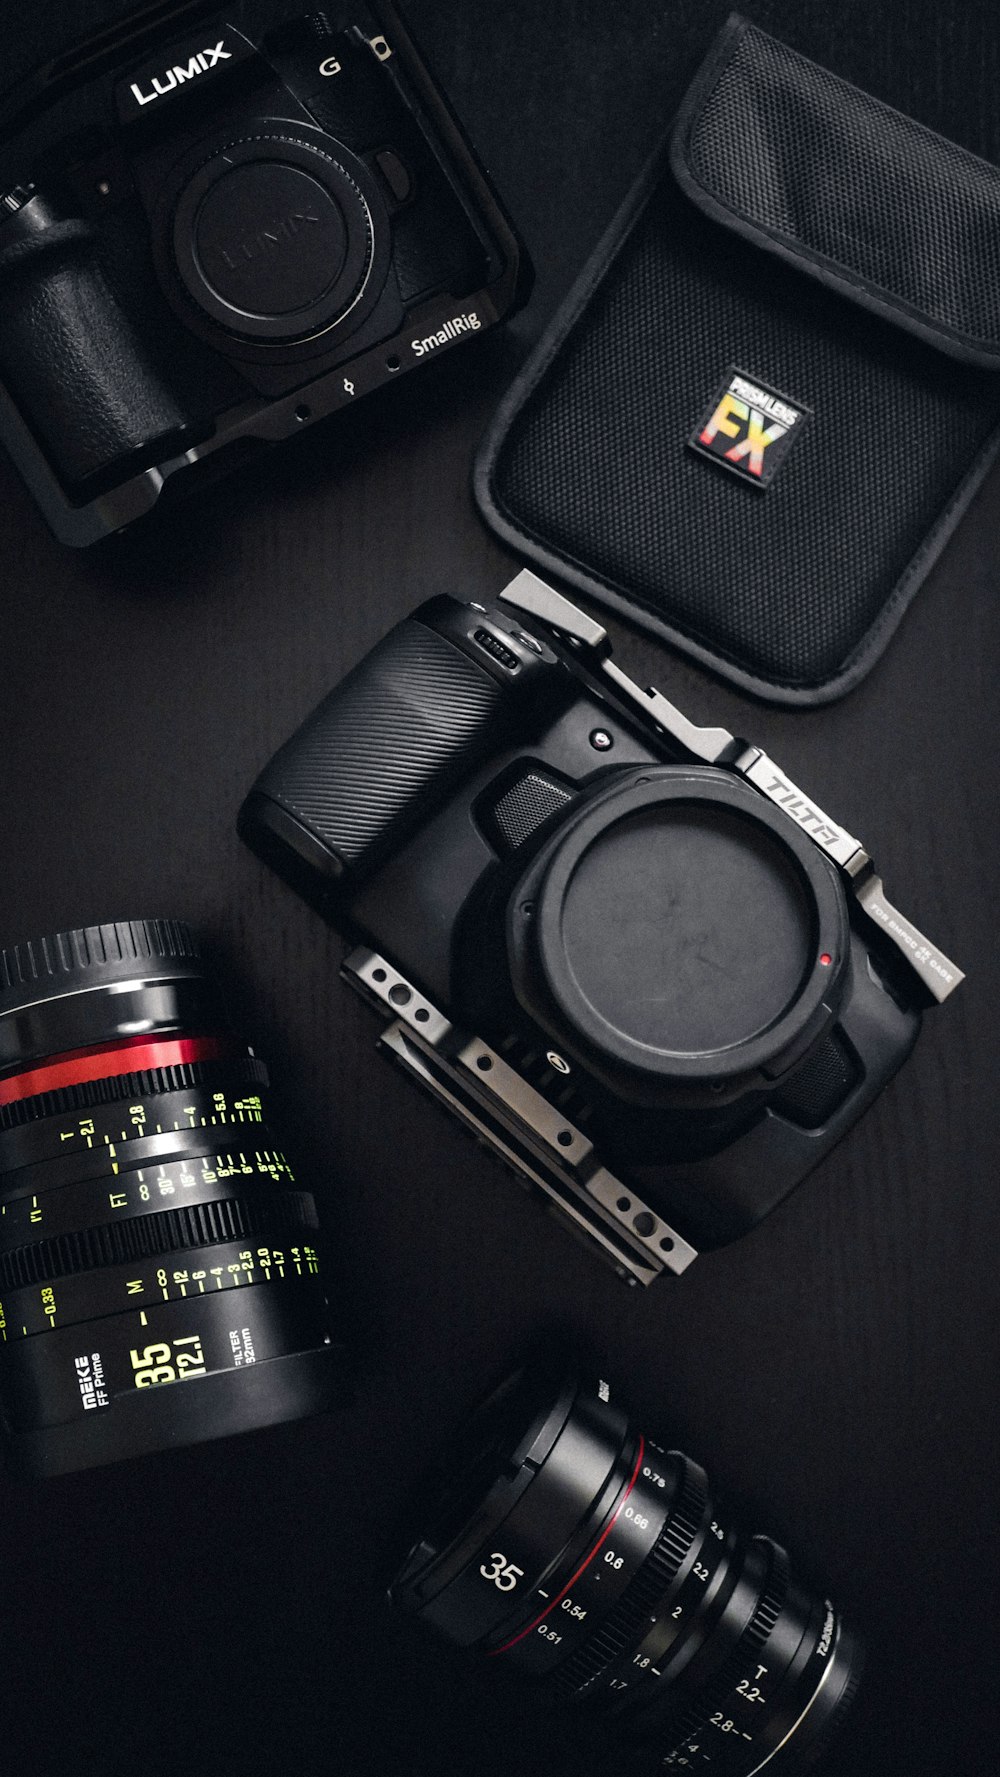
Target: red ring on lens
{"x": 584, "y": 1564}
{"x": 130, "y": 1056}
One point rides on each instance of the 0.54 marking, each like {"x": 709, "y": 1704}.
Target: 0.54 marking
{"x": 539, "y": 1621}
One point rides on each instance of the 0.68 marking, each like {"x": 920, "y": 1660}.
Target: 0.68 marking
{"x": 565, "y": 1615}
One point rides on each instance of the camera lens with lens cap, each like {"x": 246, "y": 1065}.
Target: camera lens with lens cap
{"x": 568, "y": 1546}
{"x": 151, "y": 1230}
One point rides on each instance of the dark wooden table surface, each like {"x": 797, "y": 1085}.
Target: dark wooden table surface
{"x": 220, "y": 1610}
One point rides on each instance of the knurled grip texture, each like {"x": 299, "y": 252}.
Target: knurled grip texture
{"x": 72, "y": 360}
{"x": 92, "y": 955}
{"x": 406, "y": 722}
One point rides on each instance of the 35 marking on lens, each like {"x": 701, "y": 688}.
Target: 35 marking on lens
{"x": 588, "y": 1559}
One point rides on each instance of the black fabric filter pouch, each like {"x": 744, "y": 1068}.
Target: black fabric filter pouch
{"x": 776, "y": 386}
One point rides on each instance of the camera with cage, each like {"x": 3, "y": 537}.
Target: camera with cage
{"x": 217, "y": 230}
{"x": 627, "y": 951}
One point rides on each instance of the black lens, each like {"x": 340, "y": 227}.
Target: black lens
{"x": 569, "y": 1546}
{"x": 151, "y": 1231}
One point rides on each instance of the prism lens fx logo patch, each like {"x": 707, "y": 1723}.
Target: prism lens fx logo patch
{"x": 749, "y": 428}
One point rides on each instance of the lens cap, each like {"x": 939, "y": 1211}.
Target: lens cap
{"x": 684, "y": 929}
{"x": 274, "y": 238}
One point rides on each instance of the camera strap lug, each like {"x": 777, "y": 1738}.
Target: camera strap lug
{"x": 716, "y": 746}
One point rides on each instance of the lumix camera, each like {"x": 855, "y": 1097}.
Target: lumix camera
{"x": 626, "y": 950}
{"x": 216, "y": 230}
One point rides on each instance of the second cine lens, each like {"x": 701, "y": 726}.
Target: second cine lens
{"x": 567, "y": 1545}
{"x": 161, "y": 1275}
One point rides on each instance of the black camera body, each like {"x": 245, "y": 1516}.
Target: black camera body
{"x": 217, "y": 230}
{"x": 626, "y": 950}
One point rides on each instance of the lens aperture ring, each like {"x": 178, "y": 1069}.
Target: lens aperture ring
{"x": 181, "y": 1076}
{"x": 806, "y": 1665}
{"x": 647, "y": 1588}
{"x": 682, "y": 1631}
{"x": 112, "y": 1138}
{"x": 151, "y": 1231}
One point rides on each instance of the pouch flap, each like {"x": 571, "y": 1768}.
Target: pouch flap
{"x": 849, "y": 190}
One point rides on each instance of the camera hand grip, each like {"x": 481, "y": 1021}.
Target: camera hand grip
{"x": 363, "y": 768}
{"x": 70, "y": 357}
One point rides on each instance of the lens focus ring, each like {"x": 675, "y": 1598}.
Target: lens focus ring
{"x": 674, "y": 1544}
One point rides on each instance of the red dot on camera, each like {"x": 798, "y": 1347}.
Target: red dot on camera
{"x": 826, "y": 959}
